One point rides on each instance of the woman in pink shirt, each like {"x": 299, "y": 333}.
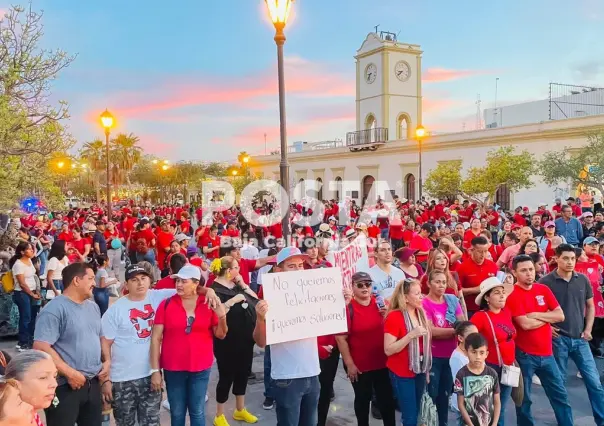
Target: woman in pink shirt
{"x": 442, "y": 311}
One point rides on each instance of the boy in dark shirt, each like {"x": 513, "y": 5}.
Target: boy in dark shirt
{"x": 477, "y": 386}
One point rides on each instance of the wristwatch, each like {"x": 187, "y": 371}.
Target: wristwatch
{"x": 154, "y": 370}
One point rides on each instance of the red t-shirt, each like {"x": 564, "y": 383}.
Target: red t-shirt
{"x": 396, "y": 231}
{"x": 557, "y": 209}
{"x": 398, "y": 363}
{"x": 468, "y": 236}
{"x": 245, "y": 267}
{"x": 366, "y": 336}
{"x": 538, "y": 299}
{"x": 504, "y": 331}
{"x": 146, "y": 234}
{"x": 80, "y": 245}
{"x": 276, "y": 230}
{"x": 233, "y": 233}
{"x": 206, "y": 240}
{"x": 65, "y": 236}
{"x": 421, "y": 244}
{"x": 373, "y": 231}
{"x": 471, "y": 275}
{"x": 163, "y": 241}
{"x": 408, "y": 235}
{"x": 165, "y": 283}
{"x": 185, "y": 227}
{"x": 519, "y": 219}
{"x": 193, "y": 352}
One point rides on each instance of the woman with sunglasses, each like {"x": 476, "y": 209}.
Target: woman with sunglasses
{"x": 362, "y": 350}
{"x": 182, "y": 345}
{"x": 234, "y": 354}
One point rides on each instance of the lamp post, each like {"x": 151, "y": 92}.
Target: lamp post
{"x": 107, "y": 121}
{"x": 420, "y": 133}
{"x": 164, "y": 166}
{"x": 279, "y": 12}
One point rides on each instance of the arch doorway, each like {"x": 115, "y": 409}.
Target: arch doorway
{"x": 367, "y": 184}
{"x": 403, "y": 126}
{"x": 410, "y": 187}
{"x": 338, "y": 188}
{"x": 502, "y": 197}
{"x": 319, "y": 189}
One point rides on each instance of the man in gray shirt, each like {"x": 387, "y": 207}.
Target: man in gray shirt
{"x": 571, "y": 336}
{"x": 69, "y": 330}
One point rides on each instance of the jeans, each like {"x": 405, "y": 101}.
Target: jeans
{"x": 363, "y": 389}
{"x": 58, "y": 285}
{"x": 28, "y": 311}
{"x": 115, "y": 261}
{"x": 384, "y": 233}
{"x": 578, "y": 350}
{"x": 329, "y": 368}
{"x": 268, "y": 385}
{"x": 297, "y": 401}
{"x": 547, "y": 370}
{"x": 187, "y": 391}
{"x": 101, "y": 297}
{"x": 43, "y": 261}
{"x": 82, "y": 406}
{"x": 440, "y": 387}
{"x": 148, "y": 257}
{"x": 505, "y": 394}
{"x": 408, "y": 392}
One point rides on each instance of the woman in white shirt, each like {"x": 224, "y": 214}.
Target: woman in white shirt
{"x": 26, "y": 295}
{"x": 57, "y": 261}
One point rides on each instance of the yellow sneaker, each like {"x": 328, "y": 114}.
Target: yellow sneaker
{"x": 220, "y": 421}
{"x": 244, "y": 416}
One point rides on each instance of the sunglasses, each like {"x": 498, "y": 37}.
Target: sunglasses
{"x": 364, "y": 284}
{"x": 190, "y": 321}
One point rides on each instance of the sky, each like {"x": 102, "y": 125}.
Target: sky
{"x": 197, "y": 79}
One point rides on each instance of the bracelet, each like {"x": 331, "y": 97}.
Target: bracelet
{"x": 106, "y": 381}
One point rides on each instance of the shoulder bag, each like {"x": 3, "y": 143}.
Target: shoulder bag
{"x": 510, "y": 374}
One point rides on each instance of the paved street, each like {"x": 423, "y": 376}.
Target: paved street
{"x": 342, "y": 412}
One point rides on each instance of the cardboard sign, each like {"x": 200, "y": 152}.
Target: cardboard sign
{"x": 304, "y": 304}
{"x": 351, "y": 259}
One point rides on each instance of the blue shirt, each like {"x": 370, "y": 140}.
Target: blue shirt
{"x": 572, "y": 230}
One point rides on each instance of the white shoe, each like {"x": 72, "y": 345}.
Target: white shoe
{"x": 207, "y": 398}
{"x": 166, "y": 405}
{"x": 579, "y": 375}
{"x": 536, "y": 381}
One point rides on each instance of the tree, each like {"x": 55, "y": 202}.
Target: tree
{"x": 583, "y": 166}
{"x": 125, "y": 154}
{"x": 503, "y": 167}
{"x": 93, "y": 154}
{"x": 444, "y": 182}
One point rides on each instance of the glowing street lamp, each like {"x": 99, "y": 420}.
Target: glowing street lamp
{"x": 165, "y": 167}
{"x": 107, "y": 122}
{"x": 61, "y": 164}
{"x": 420, "y": 133}
{"x": 279, "y": 12}
{"x": 234, "y": 172}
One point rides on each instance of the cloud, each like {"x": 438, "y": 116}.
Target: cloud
{"x": 592, "y": 10}
{"x": 588, "y": 71}
{"x": 437, "y": 75}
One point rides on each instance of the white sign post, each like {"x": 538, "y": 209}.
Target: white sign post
{"x": 304, "y": 304}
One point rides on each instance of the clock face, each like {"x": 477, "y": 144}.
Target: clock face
{"x": 402, "y": 70}
{"x": 370, "y": 73}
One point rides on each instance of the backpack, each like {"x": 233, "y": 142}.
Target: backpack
{"x": 8, "y": 282}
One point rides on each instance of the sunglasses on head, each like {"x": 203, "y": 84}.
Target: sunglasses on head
{"x": 363, "y": 284}
{"x": 190, "y": 321}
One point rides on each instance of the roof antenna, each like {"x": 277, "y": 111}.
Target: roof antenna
{"x": 376, "y": 28}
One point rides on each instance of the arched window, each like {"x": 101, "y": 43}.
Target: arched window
{"x": 403, "y": 126}
{"x": 410, "y": 187}
{"x": 502, "y": 197}
{"x": 367, "y": 184}
{"x": 338, "y": 188}
{"x": 319, "y": 189}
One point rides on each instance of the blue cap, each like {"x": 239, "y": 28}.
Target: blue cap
{"x": 288, "y": 253}
{"x": 590, "y": 240}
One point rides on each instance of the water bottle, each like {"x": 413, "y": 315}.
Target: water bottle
{"x": 379, "y": 299}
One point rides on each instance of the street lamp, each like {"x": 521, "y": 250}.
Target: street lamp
{"x": 107, "y": 121}
{"x": 279, "y": 12}
{"x": 420, "y": 133}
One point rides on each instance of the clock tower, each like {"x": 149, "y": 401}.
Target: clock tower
{"x": 389, "y": 85}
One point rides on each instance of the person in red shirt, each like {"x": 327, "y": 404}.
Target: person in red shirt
{"x": 231, "y": 230}
{"x": 362, "y": 349}
{"x": 210, "y": 243}
{"x": 534, "y": 309}
{"x": 572, "y": 202}
{"x": 164, "y": 239}
{"x": 408, "y": 385}
{"x": 185, "y": 225}
{"x": 182, "y": 348}
{"x": 396, "y": 233}
{"x": 409, "y": 232}
{"x": 373, "y": 231}
{"x": 470, "y": 234}
{"x": 65, "y": 235}
{"x": 422, "y": 243}
{"x": 474, "y": 270}
{"x": 557, "y": 208}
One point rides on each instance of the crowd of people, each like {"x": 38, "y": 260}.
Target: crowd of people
{"x": 463, "y": 308}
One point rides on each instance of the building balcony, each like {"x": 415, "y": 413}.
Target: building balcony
{"x": 368, "y": 139}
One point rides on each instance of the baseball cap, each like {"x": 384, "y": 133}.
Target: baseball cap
{"x": 350, "y": 233}
{"x": 590, "y": 240}
{"x": 289, "y": 252}
{"x": 188, "y": 272}
{"x": 191, "y": 250}
{"x": 181, "y": 237}
{"x": 134, "y": 270}
{"x": 588, "y": 214}
{"x": 359, "y": 277}
{"x": 542, "y": 204}
{"x": 549, "y": 223}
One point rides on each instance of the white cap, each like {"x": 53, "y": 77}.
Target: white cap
{"x": 188, "y": 272}
{"x": 181, "y": 237}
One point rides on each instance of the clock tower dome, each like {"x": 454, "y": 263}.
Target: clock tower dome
{"x": 389, "y": 85}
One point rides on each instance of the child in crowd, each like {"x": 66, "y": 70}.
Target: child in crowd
{"x": 459, "y": 357}
{"x": 477, "y": 386}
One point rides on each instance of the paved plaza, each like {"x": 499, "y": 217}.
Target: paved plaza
{"x": 342, "y": 411}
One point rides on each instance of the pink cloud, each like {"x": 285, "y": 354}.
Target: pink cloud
{"x": 436, "y": 75}
{"x": 151, "y": 144}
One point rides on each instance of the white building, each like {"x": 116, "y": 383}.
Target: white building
{"x": 388, "y": 109}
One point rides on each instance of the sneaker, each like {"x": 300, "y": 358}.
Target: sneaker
{"x": 268, "y": 403}
{"x": 207, "y": 397}
{"x": 166, "y": 405}
{"x": 221, "y": 420}
{"x": 375, "y": 412}
{"x": 579, "y": 375}
{"x": 244, "y": 416}
{"x": 536, "y": 381}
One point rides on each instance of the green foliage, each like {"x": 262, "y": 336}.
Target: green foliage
{"x": 445, "y": 180}
{"x": 583, "y": 166}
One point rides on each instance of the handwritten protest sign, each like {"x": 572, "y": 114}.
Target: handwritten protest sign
{"x": 303, "y": 304}
{"x": 351, "y": 259}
